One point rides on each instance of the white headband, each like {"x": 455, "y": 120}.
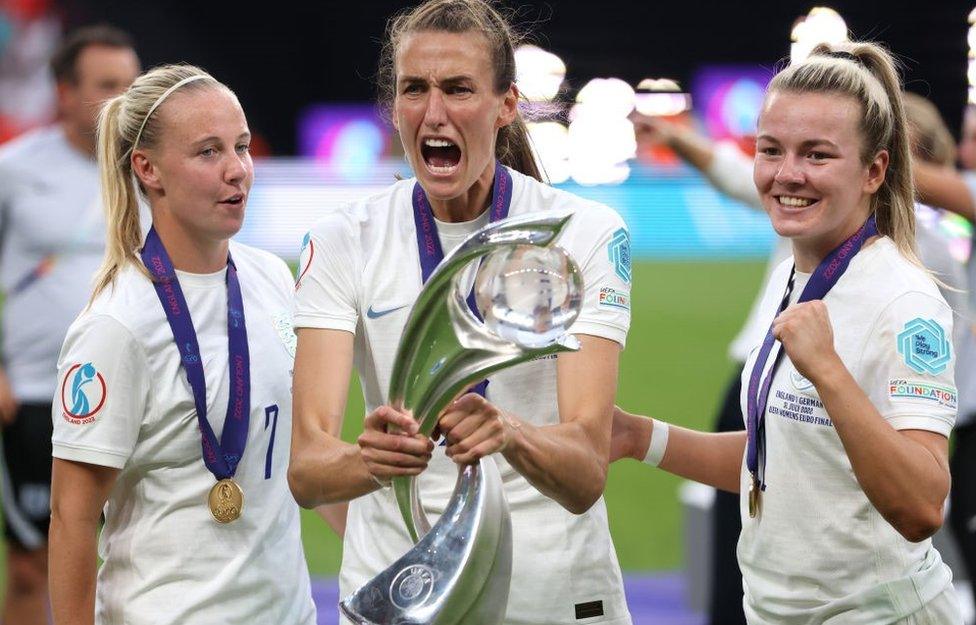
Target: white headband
{"x": 160, "y": 100}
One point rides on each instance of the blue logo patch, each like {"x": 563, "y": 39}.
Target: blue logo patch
{"x": 83, "y": 393}
{"x": 619, "y": 252}
{"x": 924, "y": 346}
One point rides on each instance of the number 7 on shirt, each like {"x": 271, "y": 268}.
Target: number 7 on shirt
{"x": 270, "y": 417}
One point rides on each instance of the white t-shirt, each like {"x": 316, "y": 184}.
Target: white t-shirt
{"x": 49, "y": 208}
{"x": 360, "y": 272}
{"x": 820, "y": 552}
{"x": 166, "y": 561}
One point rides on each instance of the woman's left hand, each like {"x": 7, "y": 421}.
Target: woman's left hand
{"x": 474, "y": 428}
{"x": 808, "y": 338}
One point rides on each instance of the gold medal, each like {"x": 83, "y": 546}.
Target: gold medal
{"x": 754, "y": 498}
{"x": 226, "y": 501}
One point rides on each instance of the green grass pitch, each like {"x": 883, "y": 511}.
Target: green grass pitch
{"x": 675, "y": 367}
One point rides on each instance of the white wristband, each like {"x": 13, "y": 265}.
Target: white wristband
{"x": 659, "y": 443}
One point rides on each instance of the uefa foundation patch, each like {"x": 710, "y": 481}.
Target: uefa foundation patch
{"x": 924, "y": 346}
{"x": 612, "y": 298}
{"x": 901, "y": 389}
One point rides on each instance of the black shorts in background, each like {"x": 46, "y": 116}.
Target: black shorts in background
{"x": 25, "y": 477}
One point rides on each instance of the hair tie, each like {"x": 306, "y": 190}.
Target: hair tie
{"x": 844, "y": 54}
{"x": 160, "y": 100}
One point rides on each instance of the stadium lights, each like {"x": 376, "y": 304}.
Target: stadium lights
{"x": 661, "y": 97}
{"x": 821, "y": 25}
{"x": 550, "y": 144}
{"x": 539, "y": 73}
{"x": 601, "y": 137}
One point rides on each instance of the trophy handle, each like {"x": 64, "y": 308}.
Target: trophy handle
{"x": 426, "y": 334}
{"x": 444, "y": 348}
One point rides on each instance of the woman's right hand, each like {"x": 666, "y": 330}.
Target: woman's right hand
{"x": 390, "y": 454}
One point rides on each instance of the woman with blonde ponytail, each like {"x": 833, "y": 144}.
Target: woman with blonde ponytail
{"x": 119, "y": 196}
{"x": 173, "y": 410}
{"x": 449, "y": 72}
{"x": 849, "y": 400}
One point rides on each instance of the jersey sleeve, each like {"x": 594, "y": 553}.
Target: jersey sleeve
{"x": 599, "y": 242}
{"x": 731, "y": 173}
{"x": 909, "y": 364}
{"x": 327, "y": 287}
{"x": 102, "y": 395}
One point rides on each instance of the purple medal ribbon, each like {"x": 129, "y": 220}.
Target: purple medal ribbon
{"x": 826, "y": 275}
{"x": 221, "y": 457}
{"x": 429, "y": 244}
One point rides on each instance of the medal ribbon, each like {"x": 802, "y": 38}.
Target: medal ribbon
{"x": 824, "y": 277}
{"x": 221, "y": 457}
{"x": 429, "y": 244}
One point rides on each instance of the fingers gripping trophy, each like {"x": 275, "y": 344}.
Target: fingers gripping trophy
{"x": 528, "y": 293}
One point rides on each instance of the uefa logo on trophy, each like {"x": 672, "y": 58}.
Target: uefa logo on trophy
{"x": 529, "y": 292}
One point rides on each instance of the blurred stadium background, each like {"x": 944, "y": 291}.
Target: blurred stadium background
{"x": 303, "y": 72}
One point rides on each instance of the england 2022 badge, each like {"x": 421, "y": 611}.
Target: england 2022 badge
{"x": 924, "y": 346}
{"x": 412, "y": 586}
{"x": 83, "y": 393}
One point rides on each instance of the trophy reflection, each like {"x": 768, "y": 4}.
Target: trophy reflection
{"x": 529, "y": 292}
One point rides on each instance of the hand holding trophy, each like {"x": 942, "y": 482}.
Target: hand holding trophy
{"x": 530, "y": 293}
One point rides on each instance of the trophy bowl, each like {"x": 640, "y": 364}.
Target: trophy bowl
{"x": 529, "y": 295}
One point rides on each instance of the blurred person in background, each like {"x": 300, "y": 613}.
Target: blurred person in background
{"x": 449, "y": 72}
{"x": 30, "y": 32}
{"x": 52, "y": 234}
{"x": 175, "y": 384}
{"x": 843, "y": 472}
{"x": 940, "y": 184}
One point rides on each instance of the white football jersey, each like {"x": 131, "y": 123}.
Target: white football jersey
{"x": 360, "y": 272}
{"x": 820, "y": 551}
{"x": 123, "y": 401}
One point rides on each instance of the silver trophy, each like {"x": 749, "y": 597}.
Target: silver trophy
{"x": 530, "y": 292}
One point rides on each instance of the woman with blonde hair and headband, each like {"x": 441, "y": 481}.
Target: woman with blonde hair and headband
{"x": 173, "y": 409}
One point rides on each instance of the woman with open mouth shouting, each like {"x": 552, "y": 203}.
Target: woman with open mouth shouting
{"x": 450, "y": 73}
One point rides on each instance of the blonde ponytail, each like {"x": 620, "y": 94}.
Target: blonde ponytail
{"x": 124, "y": 233}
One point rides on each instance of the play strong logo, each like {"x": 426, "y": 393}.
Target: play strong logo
{"x": 924, "y": 346}
{"x": 83, "y": 393}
